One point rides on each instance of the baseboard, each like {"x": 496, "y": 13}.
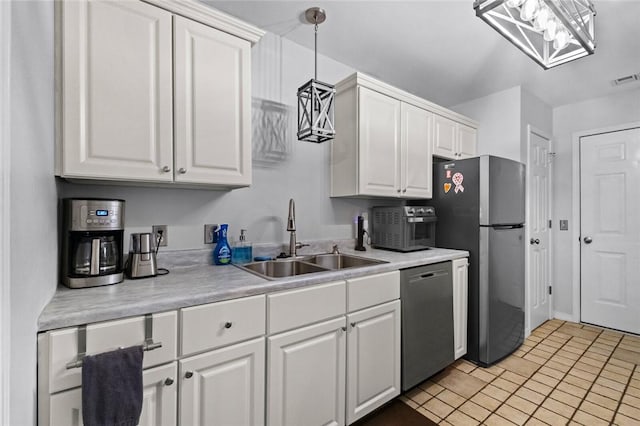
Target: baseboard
{"x": 563, "y": 316}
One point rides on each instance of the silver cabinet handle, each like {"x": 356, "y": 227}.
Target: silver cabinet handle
{"x": 353, "y": 324}
{"x": 188, "y": 374}
{"x": 404, "y": 190}
{"x": 228, "y": 324}
{"x": 166, "y": 169}
{"x": 343, "y": 328}
{"x": 182, "y": 170}
{"x": 398, "y": 190}
{"x": 168, "y": 381}
{"x": 588, "y": 240}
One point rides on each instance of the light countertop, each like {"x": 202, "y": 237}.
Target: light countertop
{"x": 197, "y": 283}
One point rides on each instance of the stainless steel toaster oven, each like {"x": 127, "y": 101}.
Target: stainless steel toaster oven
{"x": 404, "y": 228}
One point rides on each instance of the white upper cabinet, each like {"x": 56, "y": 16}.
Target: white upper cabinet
{"x": 115, "y": 99}
{"x": 132, "y": 75}
{"x": 385, "y": 140}
{"x": 453, "y": 140}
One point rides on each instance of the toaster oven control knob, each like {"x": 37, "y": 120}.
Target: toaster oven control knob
{"x": 420, "y": 211}
{"x": 411, "y": 211}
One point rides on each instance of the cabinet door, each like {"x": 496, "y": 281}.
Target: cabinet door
{"x": 467, "y": 141}
{"x": 373, "y": 365}
{"x": 379, "y": 150}
{"x": 116, "y": 103}
{"x": 306, "y": 376}
{"x": 460, "y": 294}
{"x": 212, "y": 105}
{"x": 417, "y": 162}
{"x": 159, "y": 403}
{"x": 224, "y": 387}
{"x": 444, "y": 137}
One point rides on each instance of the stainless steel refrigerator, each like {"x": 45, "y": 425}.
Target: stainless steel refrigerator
{"x": 480, "y": 203}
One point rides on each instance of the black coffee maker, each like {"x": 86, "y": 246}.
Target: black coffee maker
{"x": 92, "y": 234}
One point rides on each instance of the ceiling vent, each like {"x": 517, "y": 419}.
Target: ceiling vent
{"x": 626, "y": 79}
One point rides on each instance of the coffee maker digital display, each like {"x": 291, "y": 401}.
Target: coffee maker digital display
{"x": 92, "y": 252}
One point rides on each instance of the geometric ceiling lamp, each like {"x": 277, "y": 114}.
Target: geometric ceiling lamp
{"x": 315, "y": 98}
{"x": 551, "y": 32}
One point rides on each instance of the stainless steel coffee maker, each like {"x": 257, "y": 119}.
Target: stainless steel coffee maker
{"x": 92, "y": 242}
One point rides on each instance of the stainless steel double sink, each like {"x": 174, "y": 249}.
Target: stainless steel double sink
{"x": 289, "y": 267}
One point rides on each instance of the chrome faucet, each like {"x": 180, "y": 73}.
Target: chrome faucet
{"x": 291, "y": 228}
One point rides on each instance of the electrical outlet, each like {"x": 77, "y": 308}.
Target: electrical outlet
{"x": 210, "y": 234}
{"x": 156, "y": 230}
{"x": 564, "y": 225}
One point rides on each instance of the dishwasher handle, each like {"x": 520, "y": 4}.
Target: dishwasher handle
{"x": 428, "y": 275}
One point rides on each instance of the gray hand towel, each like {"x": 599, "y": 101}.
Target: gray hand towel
{"x": 112, "y": 388}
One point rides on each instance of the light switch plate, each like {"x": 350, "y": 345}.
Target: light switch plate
{"x": 564, "y": 225}
{"x": 210, "y": 236}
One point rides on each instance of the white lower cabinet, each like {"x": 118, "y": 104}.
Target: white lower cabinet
{"x": 306, "y": 377}
{"x": 460, "y": 294}
{"x": 224, "y": 387}
{"x": 159, "y": 406}
{"x": 373, "y": 358}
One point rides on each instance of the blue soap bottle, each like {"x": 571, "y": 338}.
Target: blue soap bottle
{"x": 242, "y": 251}
{"x": 222, "y": 251}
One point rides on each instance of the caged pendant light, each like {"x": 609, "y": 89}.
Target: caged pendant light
{"x": 315, "y": 98}
{"x": 551, "y": 32}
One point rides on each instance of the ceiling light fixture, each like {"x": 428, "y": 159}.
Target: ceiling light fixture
{"x": 551, "y": 32}
{"x": 315, "y": 98}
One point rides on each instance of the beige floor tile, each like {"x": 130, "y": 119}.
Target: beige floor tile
{"x": 579, "y": 333}
{"x": 472, "y": 409}
{"x": 430, "y": 387}
{"x": 547, "y": 380}
{"x": 486, "y": 401}
{"x": 514, "y": 415}
{"x": 538, "y": 387}
{"x": 519, "y": 366}
{"x": 595, "y": 356}
{"x": 573, "y": 349}
{"x": 557, "y": 366}
{"x": 588, "y": 419}
{"x": 438, "y": 407}
{"x": 564, "y": 361}
{"x": 568, "y": 354}
{"x": 451, "y": 398}
{"x": 535, "y": 422}
{"x": 558, "y": 407}
{"x": 596, "y": 410}
{"x": 521, "y": 404}
{"x": 626, "y": 355}
{"x": 458, "y": 418}
{"x": 601, "y": 350}
{"x": 633, "y": 391}
{"x": 428, "y": 414}
{"x": 577, "y": 381}
{"x": 629, "y": 411}
{"x": 601, "y": 400}
{"x": 411, "y": 403}
{"x": 460, "y": 383}
{"x": 496, "y": 393}
{"x": 557, "y": 336}
{"x": 593, "y": 328}
{"x": 542, "y": 353}
{"x": 610, "y": 383}
{"x": 556, "y": 374}
{"x": 619, "y": 370}
{"x": 445, "y": 423}
{"x": 464, "y": 366}
{"x": 550, "y": 417}
{"x": 513, "y": 377}
{"x": 623, "y": 420}
{"x": 631, "y": 400}
{"x": 586, "y": 375}
{"x": 547, "y": 346}
{"x": 572, "y": 389}
{"x": 535, "y": 358}
{"x": 635, "y": 383}
{"x": 505, "y": 385}
{"x": 614, "y": 376}
{"x": 587, "y": 366}
{"x": 496, "y": 420}
{"x": 533, "y": 338}
{"x": 519, "y": 353}
{"x": 483, "y": 375}
{"x": 621, "y": 363}
{"x": 566, "y": 398}
{"x": 530, "y": 395}
{"x": 606, "y": 391}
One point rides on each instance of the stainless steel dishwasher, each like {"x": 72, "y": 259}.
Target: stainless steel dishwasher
{"x": 427, "y": 321}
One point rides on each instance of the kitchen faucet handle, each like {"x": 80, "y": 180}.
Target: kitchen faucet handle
{"x": 335, "y": 250}
{"x": 300, "y": 245}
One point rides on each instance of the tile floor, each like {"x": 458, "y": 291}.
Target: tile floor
{"x": 564, "y": 373}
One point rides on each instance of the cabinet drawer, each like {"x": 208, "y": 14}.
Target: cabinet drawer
{"x": 59, "y": 347}
{"x": 295, "y": 308}
{"x": 372, "y": 290}
{"x": 221, "y": 323}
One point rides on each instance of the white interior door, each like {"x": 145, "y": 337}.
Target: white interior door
{"x": 538, "y": 178}
{"x": 610, "y": 229}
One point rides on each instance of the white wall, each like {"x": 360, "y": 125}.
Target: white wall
{"x": 568, "y": 119}
{"x": 33, "y": 198}
{"x": 302, "y": 172}
{"x": 499, "y": 115}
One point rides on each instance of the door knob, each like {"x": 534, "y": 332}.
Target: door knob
{"x": 588, "y": 240}
{"x": 534, "y": 241}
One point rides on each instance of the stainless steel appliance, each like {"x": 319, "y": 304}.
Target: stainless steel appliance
{"x": 404, "y": 228}
{"x": 481, "y": 208}
{"x": 426, "y": 293}
{"x": 142, "y": 256}
{"x": 92, "y": 242}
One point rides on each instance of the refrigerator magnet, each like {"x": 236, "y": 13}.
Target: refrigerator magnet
{"x": 457, "y": 180}
{"x": 448, "y": 174}
{"x": 447, "y": 187}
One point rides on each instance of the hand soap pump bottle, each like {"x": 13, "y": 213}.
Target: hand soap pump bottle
{"x": 242, "y": 252}
{"x": 222, "y": 252}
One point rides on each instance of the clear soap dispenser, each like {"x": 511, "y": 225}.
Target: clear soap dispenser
{"x": 242, "y": 252}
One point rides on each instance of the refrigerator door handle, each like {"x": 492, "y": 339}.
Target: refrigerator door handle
{"x": 518, "y": 226}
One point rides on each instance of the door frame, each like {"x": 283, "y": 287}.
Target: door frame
{"x": 527, "y": 298}
{"x": 577, "y": 213}
{"x": 5, "y": 171}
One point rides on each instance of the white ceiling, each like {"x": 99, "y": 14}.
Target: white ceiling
{"x": 441, "y": 51}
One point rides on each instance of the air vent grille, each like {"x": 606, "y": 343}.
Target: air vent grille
{"x": 626, "y": 79}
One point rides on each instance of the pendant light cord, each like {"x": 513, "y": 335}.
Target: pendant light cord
{"x": 315, "y": 48}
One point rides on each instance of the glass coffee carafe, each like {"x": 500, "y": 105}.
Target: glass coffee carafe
{"x": 95, "y": 255}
